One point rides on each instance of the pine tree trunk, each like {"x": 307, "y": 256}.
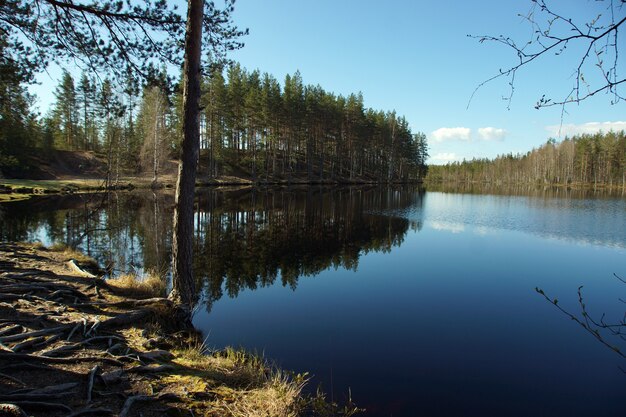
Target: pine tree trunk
{"x": 155, "y": 147}
{"x": 183, "y": 285}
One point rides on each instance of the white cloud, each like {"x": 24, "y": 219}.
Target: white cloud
{"x": 451, "y": 133}
{"x": 444, "y": 157}
{"x": 491, "y": 133}
{"x": 578, "y": 129}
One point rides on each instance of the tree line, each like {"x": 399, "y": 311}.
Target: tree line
{"x": 598, "y": 159}
{"x": 252, "y": 126}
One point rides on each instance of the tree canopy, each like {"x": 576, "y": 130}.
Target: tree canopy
{"x": 106, "y": 35}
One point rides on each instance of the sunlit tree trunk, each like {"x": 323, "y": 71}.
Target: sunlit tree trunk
{"x": 183, "y": 286}
{"x": 155, "y": 144}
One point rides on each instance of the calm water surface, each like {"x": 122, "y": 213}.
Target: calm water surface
{"x": 420, "y": 303}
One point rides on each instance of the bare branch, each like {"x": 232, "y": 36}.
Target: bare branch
{"x": 585, "y": 322}
{"x": 554, "y": 33}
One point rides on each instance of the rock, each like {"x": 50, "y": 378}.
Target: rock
{"x": 156, "y": 355}
{"x": 155, "y": 342}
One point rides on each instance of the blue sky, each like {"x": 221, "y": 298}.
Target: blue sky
{"x": 415, "y": 57}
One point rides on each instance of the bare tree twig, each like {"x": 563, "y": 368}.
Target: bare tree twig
{"x": 591, "y": 326}
{"x": 553, "y": 33}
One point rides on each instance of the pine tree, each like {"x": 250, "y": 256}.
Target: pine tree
{"x": 215, "y": 103}
{"x": 66, "y": 113}
{"x": 271, "y": 103}
{"x": 110, "y": 112}
{"x": 132, "y": 139}
{"x": 254, "y": 120}
{"x": 18, "y": 128}
{"x": 153, "y": 128}
{"x": 86, "y": 100}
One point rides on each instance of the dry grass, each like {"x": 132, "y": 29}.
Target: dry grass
{"x": 70, "y": 253}
{"x": 58, "y": 247}
{"x": 279, "y": 400}
{"x": 6, "y": 198}
{"x": 240, "y": 384}
{"x": 36, "y": 245}
{"x": 45, "y": 186}
{"x": 146, "y": 286}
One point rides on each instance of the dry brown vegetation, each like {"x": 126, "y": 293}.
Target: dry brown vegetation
{"x": 146, "y": 286}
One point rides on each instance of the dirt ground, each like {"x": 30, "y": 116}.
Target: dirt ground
{"x": 66, "y": 347}
{"x": 73, "y": 345}
{"x": 68, "y": 165}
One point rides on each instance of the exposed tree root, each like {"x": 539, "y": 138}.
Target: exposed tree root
{"x": 92, "y": 412}
{"x": 72, "y": 360}
{"x": 145, "y": 398}
{"x": 41, "y": 405}
{"x": 34, "y": 397}
{"x": 71, "y": 345}
{"x": 11, "y": 410}
{"x": 27, "y": 335}
{"x": 62, "y": 323}
{"x": 52, "y": 389}
{"x": 91, "y": 378}
{"x": 10, "y": 329}
{"x": 12, "y": 379}
{"x": 81, "y": 272}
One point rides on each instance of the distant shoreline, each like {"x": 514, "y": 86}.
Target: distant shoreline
{"x": 23, "y": 189}
{"x": 496, "y": 184}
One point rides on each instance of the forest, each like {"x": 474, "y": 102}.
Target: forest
{"x": 596, "y": 159}
{"x": 251, "y": 127}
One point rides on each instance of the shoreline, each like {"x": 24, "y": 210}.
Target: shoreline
{"x": 74, "y": 344}
{"x": 24, "y": 189}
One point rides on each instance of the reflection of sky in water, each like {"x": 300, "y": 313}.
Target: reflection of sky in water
{"x": 585, "y": 221}
{"x": 40, "y": 234}
{"x": 447, "y": 226}
{"x": 452, "y": 312}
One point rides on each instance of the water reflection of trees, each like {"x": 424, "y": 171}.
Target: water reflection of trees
{"x": 113, "y": 228}
{"x": 245, "y": 239}
{"x": 525, "y": 190}
{"x": 249, "y": 239}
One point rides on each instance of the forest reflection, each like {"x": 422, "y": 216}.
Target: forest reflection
{"x": 526, "y": 190}
{"x": 250, "y": 239}
{"x": 244, "y": 238}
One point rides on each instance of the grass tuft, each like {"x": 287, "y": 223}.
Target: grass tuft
{"x": 241, "y": 384}
{"x": 38, "y": 246}
{"x": 69, "y": 253}
{"x": 146, "y": 286}
{"x": 58, "y": 247}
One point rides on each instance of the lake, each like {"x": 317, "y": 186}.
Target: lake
{"x": 419, "y": 303}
